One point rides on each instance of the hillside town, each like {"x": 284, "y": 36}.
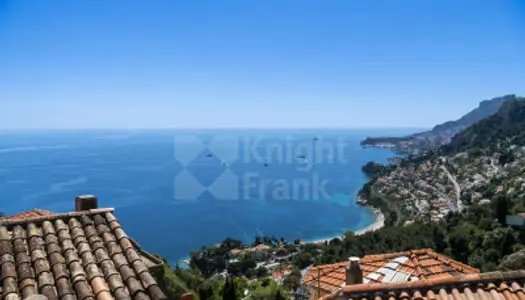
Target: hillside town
{"x": 445, "y": 184}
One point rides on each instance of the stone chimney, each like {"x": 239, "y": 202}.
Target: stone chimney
{"x": 354, "y": 274}
{"x": 86, "y": 202}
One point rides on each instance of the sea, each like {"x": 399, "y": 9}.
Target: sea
{"x": 175, "y": 191}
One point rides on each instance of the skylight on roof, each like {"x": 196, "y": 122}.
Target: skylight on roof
{"x": 400, "y": 260}
{"x": 391, "y": 265}
{"x": 373, "y": 276}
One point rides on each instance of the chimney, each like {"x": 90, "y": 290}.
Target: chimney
{"x": 354, "y": 274}
{"x": 86, "y": 202}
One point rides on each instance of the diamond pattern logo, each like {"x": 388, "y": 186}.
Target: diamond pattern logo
{"x": 226, "y": 148}
{"x": 221, "y": 183}
{"x": 187, "y": 187}
{"x": 186, "y": 148}
{"x": 226, "y": 187}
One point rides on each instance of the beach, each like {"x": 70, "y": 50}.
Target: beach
{"x": 379, "y": 223}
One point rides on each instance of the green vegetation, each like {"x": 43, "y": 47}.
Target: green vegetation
{"x": 441, "y": 133}
{"x": 171, "y": 284}
{"x": 473, "y": 238}
{"x": 178, "y": 282}
{"x": 373, "y": 169}
{"x": 216, "y": 259}
{"x": 478, "y": 236}
{"x": 383, "y": 140}
{"x": 505, "y": 126}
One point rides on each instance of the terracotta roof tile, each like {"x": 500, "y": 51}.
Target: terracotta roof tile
{"x": 73, "y": 256}
{"x": 421, "y": 263}
{"x": 35, "y": 212}
{"x": 487, "y": 286}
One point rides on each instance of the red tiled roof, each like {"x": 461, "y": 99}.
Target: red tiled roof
{"x": 83, "y": 255}
{"x": 35, "y": 212}
{"x": 418, "y": 264}
{"x": 236, "y": 251}
{"x": 485, "y": 286}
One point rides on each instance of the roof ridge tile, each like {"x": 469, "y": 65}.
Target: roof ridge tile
{"x": 54, "y": 216}
{"x": 487, "y": 278}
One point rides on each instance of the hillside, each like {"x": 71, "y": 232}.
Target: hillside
{"x": 441, "y": 134}
{"x": 486, "y": 108}
{"x": 508, "y": 124}
{"x": 468, "y": 187}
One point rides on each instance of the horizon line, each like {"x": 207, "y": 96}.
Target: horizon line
{"x": 211, "y": 128}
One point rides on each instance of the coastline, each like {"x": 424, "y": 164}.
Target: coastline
{"x": 378, "y": 224}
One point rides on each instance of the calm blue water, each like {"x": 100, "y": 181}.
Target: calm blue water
{"x": 135, "y": 171}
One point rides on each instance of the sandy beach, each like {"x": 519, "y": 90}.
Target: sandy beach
{"x": 379, "y": 223}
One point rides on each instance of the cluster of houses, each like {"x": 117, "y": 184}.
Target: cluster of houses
{"x": 421, "y": 190}
{"x": 427, "y": 189}
{"x": 267, "y": 257}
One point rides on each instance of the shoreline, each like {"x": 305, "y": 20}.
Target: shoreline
{"x": 378, "y": 224}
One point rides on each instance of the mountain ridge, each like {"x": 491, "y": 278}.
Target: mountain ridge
{"x": 440, "y": 134}
{"x": 507, "y": 124}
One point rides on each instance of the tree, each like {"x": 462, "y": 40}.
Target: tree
{"x": 506, "y": 157}
{"x": 230, "y": 243}
{"x": 173, "y": 286}
{"x": 515, "y": 261}
{"x": 439, "y": 239}
{"x": 250, "y": 273}
{"x": 279, "y": 296}
{"x": 303, "y": 259}
{"x": 293, "y": 280}
{"x": 391, "y": 219}
{"x": 502, "y": 208}
{"x": 476, "y": 261}
{"x": 241, "y": 285}
{"x": 208, "y": 289}
{"x": 521, "y": 234}
{"x": 459, "y": 241}
{"x": 262, "y": 272}
{"x": 228, "y": 292}
{"x": 267, "y": 290}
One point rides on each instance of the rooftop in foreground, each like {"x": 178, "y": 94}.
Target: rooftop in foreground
{"x": 415, "y": 265}
{"x": 82, "y": 255}
{"x": 485, "y": 286}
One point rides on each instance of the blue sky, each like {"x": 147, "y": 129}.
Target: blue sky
{"x": 307, "y": 63}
